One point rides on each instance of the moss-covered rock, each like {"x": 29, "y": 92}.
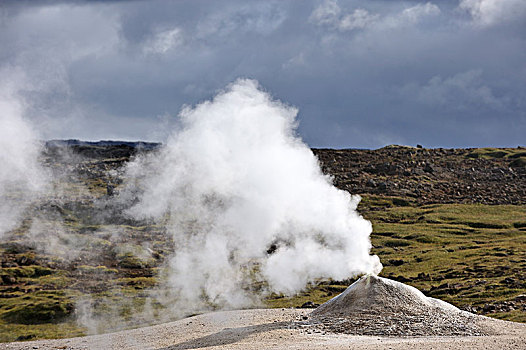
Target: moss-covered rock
{"x": 42, "y": 311}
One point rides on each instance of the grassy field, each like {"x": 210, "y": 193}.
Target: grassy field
{"x": 473, "y": 256}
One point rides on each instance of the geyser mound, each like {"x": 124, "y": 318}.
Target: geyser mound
{"x": 380, "y": 306}
{"x": 382, "y": 294}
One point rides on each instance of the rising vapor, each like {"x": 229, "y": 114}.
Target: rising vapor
{"x": 246, "y": 201}
{"x": 21, "y": 176}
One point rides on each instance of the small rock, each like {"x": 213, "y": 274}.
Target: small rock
{"x": 309, "y": 305}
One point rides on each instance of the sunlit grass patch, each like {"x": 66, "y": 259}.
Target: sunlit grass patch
{"x": 516, "y": 156}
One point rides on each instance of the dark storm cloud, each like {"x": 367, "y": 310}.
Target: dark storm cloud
{"x": 362, "y": 73}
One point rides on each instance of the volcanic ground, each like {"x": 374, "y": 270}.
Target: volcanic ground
{"x": 450, "y": 222}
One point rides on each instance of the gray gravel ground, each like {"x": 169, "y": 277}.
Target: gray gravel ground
{"x": 273, "y": 329}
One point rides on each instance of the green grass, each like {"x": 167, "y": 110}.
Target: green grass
{"x": 14, "y": 332}
{"x": 37, "y": 314}
{"x": 97, "y": 270}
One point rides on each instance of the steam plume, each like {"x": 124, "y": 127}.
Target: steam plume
{"x": 21, "y": 177}
{"x": 245, "y": 201}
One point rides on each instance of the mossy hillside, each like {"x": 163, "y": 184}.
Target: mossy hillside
{"x": 36, "y": 314}
{"x": 48, "y": 306}
{"x": 113, "y": 266}
{"x": 469, "y": 255}
{"x": 504, "y": 153}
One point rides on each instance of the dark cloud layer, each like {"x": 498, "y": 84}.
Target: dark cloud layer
{"x": 362, "y": 73}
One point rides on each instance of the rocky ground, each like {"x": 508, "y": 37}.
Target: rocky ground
{"x": 476, "y": 175}
{"x": 488, "y": 176}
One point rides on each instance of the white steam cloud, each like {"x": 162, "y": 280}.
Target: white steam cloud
{"x": 21, "y": 176}
{"x": 246, "y": 201}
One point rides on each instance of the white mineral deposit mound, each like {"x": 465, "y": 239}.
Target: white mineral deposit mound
{"x": 380, "y": 306}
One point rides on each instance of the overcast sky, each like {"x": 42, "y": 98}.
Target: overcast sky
{"x": 363, "y": 73}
